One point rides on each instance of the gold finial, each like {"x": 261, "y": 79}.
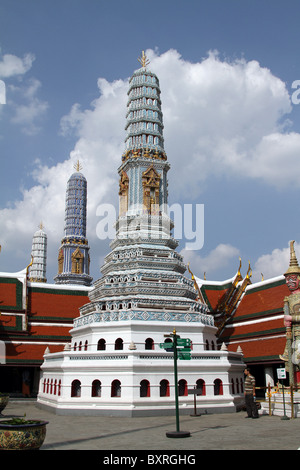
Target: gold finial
{"x": 41, "y": 226}
{"x": 262, "y": 277}
{"x": 143, "y": 60}
{"x": 78, "y": 166}
{"x": 204, "y": 276}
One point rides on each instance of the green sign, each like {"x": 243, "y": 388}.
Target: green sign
{"x": 168, "y": 346}
{"x": 186, "y": 356}
{"x": 184, "y": 342}
{"x": 184, "y": 350}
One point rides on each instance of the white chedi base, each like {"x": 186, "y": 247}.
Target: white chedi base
{"x": 134, "y": 364}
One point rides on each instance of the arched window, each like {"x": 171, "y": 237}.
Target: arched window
{"x": 149, "y": 343}
{"x": 218, "y": 387}
{"x": 96, "y": 388}
{"x": 44, "y": 386}
{"x": 164, "y": 388}
{"x": 145, "y": 388}
{"x": 182, "y": 388}
{"x": 232, "y": 387}
{"x": 76, "y": 388}
{"x": 75, "y": 346}
{"x": 237, "y": 386}
{"x": 116, "y": 388}
{"x": 212, "y": 346}
{"x": 118, "y": 344}
{"x": 48, "y": 386}
{"x": 200, "y": 385}
{"x": 86, "y": 345}
{"x": 207, "y": 345}
{"x": 59, "y": 388}
{"x": 55, "y": 387}
{"x": 79, "y": 346}
{"x": 101, "y": 346}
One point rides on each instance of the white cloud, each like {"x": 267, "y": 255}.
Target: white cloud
{"x": 273, "y": 264}
{"x": 28, "y": 108}
{"x": 11, "y": 65}
{"x": 218, "y": 258}
{"x": 22, "y": 98}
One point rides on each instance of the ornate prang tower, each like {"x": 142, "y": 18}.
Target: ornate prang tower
{"x": 143, "y": 275}
{"x": 73, "y": 257}
{"x": 115, "y": 365}
{"x": 39, "y": 256}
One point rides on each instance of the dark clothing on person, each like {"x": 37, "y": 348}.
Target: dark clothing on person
{"x": 249, "y": 388}
{"x": 251, "y": 407}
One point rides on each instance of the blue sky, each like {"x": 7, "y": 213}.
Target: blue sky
{"x": 232, "y": 130}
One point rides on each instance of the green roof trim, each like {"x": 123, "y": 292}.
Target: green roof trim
{"x": 251, "y": 335}
{"x": 266, "y": 286}
{"x": 264, "y": 313}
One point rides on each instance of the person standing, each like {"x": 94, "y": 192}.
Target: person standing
{"x": 249, "y": 391}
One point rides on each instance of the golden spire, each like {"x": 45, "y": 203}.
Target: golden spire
{"x": 78, "y": 166}
{"x": 143, "y": 60}
{"x": 41, "y": 226}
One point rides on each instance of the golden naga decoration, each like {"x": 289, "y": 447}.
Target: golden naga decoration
{"x": 29, "y": 265}
{"x": 144, "y": 61}
{"x": 249, "y": 272}
{"x": 196, "y": 287}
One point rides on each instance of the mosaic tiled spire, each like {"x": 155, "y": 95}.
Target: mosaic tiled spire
{"x": 73, "y": 258}
{"x": 144, "y": 117}
{"x": 39, "y": 256}
{"x": 143, "y": 274}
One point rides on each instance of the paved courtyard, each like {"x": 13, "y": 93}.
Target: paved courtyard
{"x": 227, "y": 431}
